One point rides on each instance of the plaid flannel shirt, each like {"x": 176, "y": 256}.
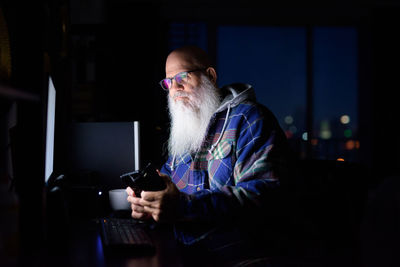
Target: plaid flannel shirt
{"x": 217, "y": 184}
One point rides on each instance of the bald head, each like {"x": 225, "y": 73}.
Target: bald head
{"x": 189, "y": 58}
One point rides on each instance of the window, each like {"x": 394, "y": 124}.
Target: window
{"x": 335, "y": 93}
{"x": 187, "y": 34}
{"x": 274, "y": 61}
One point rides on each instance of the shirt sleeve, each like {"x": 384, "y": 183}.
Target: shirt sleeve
{"x": 165, "y": 169}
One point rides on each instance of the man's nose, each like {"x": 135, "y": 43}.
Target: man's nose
{"x": 176, "y": 86}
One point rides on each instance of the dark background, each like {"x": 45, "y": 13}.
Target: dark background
{"x": 127, "y": 42}
{"x": 107, "y": 58}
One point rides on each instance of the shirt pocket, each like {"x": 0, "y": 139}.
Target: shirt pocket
{"x": 220, "y": 164}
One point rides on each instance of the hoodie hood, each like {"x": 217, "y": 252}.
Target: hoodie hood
{"x": 234, "y": 94}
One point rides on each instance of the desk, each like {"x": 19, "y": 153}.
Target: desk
{"x": 73, "y": 239}
{"x": 79, "y": 244}
{"x": 82, "y": 246}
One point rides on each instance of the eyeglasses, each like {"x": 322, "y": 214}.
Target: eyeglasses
{"x": 180, "y": 78}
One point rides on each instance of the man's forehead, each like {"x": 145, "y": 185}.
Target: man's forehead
{"x": 177, "y": 62}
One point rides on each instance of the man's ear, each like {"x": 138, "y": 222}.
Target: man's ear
{"x": 212, "y": 74}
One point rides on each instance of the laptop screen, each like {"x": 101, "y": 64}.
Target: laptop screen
{"x": 104, "y": 151}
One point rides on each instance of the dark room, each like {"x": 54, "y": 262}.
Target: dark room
{"x": 199, "y": 133}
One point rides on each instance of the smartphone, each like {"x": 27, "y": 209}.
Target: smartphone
{"x": 144, "y": 180}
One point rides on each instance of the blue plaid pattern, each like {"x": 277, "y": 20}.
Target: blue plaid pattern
{"x": 238, "y": 170}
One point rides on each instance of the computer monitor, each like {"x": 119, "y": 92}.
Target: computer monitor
{"x": 100, "y": 152}
{"x": 50, "y": 130}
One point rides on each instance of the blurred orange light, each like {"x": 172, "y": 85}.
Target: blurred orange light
{"x": 289, "y": 134}
{"x": 340, "y": 159}
{"x": 314, "y": 142}
{"x": 350, "y": 144}
{"x": 357, "y": 144}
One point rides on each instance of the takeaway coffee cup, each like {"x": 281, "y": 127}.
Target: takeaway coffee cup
{"x": 118, "y": 200}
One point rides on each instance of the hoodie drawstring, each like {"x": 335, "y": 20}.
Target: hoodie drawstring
{"x": 172, "y": 162}
{"x": 213, "y": 146}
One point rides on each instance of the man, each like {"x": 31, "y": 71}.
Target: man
{"x": 227, "y": 155}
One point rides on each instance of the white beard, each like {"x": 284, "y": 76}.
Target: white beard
{"x": 190, "y": 119}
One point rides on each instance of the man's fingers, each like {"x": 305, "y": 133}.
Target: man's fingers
{"x": 137, "y": 208}
{"x": 155, "y": 213}
{"x": 139, "y": 215}
{"x": 151, "y": 210}
{"x": 149, "y": 201}
{"x": 150, "y": 204}
{"x": 130, "y": 192}
{"x": 151, "y": 196}
{"x": 138, "y": 211}
{"x": 134, "y": 200}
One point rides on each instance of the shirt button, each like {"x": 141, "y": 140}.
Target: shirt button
{"x": 198, "y": 188}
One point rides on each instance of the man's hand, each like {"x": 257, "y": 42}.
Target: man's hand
{"x": 137, "y": 209}
{"x": 161, "y": 205}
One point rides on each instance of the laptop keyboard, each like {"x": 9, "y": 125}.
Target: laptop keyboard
{"x": 124, "y": 234}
